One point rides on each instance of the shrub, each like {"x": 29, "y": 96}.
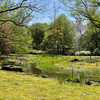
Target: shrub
{"x": 71, "y": 52}
{"x": 82, "y": 53}
{"x": 96, "y": 52}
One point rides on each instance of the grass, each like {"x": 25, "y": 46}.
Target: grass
{"x": 61, "y": 64}
{"x": 17, "y": 86}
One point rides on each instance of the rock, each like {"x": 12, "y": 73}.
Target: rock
{"x": 44, "y": 76}
{"x": 68, "y": 80}
{"x": 92, "y": 83}
{"x": 6, "y": 68}
{"x": 76, "y": 80}
{"x": 18, "y": 69}
{"x": 5, "y": 64}
{"x": 74, "y": 60}
{"x": 10, "y": 66}
{"x": 11, "y": 62}
{"x": 99, "y": 81}
{"x": 95, "y": 84}
{"x": 88, "y": 82}
{"x": 17, "y": 64}
{"x": 8, "y": 63}
{"x": 12, "y": 69}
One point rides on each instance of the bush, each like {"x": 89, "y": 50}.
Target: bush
{"x": 96, "y": 52}
{"x": 82, "y": 53}
{"x": 36, "y": 52}
{"x": 71, "y": 52}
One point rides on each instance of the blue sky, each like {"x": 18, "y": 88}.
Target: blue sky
{"x": 49, "y": 16}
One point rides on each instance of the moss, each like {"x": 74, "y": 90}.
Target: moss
{"x": 17, "y": 86}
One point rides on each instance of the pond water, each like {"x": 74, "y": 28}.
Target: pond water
{"x": 32, "y": 68}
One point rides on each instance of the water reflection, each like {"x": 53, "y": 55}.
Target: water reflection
{"x": 35, "y": 70}
{"x": 32, "y": 68}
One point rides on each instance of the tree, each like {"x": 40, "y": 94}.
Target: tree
{"x": 52, "y": 40}
{"x": 78, "y": 25}
{"x": 17, "y": 40}
{"x": 37, "y": 31}
{"x": 20, "y": 12}
{"x": 61, "y": 34}
{"x": 86, "y": 9}
{"x": 5, "y": 38}
{"x": 21, "y": 40}
{"x": 91, "y": 38}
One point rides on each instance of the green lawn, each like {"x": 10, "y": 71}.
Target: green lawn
{"x": 17, "y": 86}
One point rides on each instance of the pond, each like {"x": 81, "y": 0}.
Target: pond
{"x": 32, "y": 68}
{"x": 53, "y": 69}
{"x": 72, "y": 74}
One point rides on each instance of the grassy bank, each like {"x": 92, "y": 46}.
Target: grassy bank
{"x": 63, "y": 64}
{"x": 17, "y": 86}
{"x": 60, "y": 66}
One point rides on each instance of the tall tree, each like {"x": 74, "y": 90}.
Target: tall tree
{"x": 37, "y": 31}
{"x": 61, "y": 33}
{"x": 53, "y": 40}
{"x": 78, "y": 25}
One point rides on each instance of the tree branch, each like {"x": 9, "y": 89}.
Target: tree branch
{"x": 17, "y": 24}
{"x": 84, "y": 13}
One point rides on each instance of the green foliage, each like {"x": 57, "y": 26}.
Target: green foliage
{"x": 21, "y": 41}
{"x": 20, "y": 12}
{"x": 91, "y": 38}
{"x": 37, "y": 31}
{"x": 70, "y": 52}
{"x": 88, "y": 9}
{"x": 52, "y": 39}
{"x": 5, "y": 38}
{"x": 49, "y": 67}
{"x": 61, "y": 34}
{"x": 19, "y": 16}
{"x": 81, "y": 77}
{"x": 96, "y": 52}
{"x": 72, "y": 74}
{"x": 61, "y": 79}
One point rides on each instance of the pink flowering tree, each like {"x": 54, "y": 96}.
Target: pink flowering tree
{"x": 78, "y": 25}
{"x": 5, "y": 38}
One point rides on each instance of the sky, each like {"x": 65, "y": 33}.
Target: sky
{"x": 55, "y": 11}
